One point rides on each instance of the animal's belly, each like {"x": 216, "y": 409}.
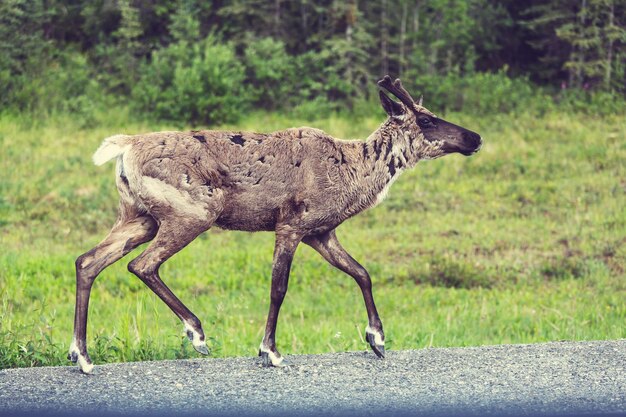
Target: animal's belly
{"x": 248, "y": 214}
{"x": 263, "y": 211}
{"x": 246, "y": 223}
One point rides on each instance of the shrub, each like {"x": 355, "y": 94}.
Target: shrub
{"x": 594, "y": 102}
{"x": 484, "y": 93}
{"x": 481, "y": 93}
{"x": 270, "y": 74}
{"x": 65, "y": 84}
{"x": 197, "y": 83}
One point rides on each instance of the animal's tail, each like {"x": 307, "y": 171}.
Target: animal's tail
{"x": 111, "y": 147}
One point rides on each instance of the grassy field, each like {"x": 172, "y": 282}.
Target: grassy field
{"x": 524, "y": 242}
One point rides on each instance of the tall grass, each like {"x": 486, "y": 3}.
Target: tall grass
{"x": 523, "y": 242}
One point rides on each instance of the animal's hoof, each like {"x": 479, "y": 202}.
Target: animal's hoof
{"x": 271, "y": 359}
{"x": 84, "y": 363}
{"x": 86, "y": 368}
{"x": 379, "y": 350}
{"x": 83, "y": 360}
{"x": 197, "y": 339}
{"x": 376, "y": 341}
{"x": 202, "y": 349}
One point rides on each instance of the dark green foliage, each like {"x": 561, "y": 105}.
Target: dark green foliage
{"x": 22, "y": 49}
{"x": 65, "y": 86}
{"x": 600, "y": 102}
{"x": 270, "y": 72}
{"x": 210, "y": 62}
{"x": 481, "y": 93}
{"x": 582, "y": 42}
{"x": 201, "y": 82}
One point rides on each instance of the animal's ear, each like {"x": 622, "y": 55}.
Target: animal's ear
{"x": 393, "y": 108}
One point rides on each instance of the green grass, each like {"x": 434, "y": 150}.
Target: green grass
{"x": 524, "y": 242}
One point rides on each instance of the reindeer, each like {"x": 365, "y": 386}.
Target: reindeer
{"x": 300, "y": 183}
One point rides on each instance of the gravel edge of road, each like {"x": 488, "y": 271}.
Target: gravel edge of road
{"x": 556, "y": 378}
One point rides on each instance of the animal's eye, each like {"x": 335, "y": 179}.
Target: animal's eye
{"x": 424, "y": 122}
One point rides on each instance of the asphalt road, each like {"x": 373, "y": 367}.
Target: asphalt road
{"x": 561, "y": 378}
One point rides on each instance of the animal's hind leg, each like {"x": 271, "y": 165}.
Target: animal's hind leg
{"x": 173, "y": 235}
{"x": 126, "y": 235}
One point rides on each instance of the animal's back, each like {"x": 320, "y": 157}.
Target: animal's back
{"x": 252, "y": 179}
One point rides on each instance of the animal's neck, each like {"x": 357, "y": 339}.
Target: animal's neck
{"x": 386, "y": 153}
{"x": 390, "y": 151}
{"x": 391, "y": 148}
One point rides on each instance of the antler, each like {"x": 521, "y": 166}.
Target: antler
{"x": 397, "y": 90}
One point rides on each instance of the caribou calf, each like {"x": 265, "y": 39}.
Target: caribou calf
{"x": 299, "y": 183}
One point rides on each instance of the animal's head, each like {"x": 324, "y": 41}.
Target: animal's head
{"x": 435, "y": 136}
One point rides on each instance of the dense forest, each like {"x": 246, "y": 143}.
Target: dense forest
{"x": 210, "y": 61}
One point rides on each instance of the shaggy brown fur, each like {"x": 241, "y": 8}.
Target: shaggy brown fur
{"x": 300, "y": 183}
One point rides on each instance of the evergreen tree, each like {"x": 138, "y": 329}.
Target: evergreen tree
{"x": 581, "y": 41}
{"x": 23, "y": 48}
{"x": 327, "y": 51}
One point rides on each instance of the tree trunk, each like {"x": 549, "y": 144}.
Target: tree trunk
{"x": 434, "y": 48}
{"x": 609, "y": 53}
{"x": 416, "y": 27}
{"x": 384, "y": 53}
{"x": 416, "y": 18}
{"x": 277, "y": 18}
{"x": 350, "y": 22}
{"x": 581, "y": 51}
{"x": 402, "y": 38}
{"x": 303, "y": 16}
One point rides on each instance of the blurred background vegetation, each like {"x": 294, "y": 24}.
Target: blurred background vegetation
{"x": 210, "y": 62}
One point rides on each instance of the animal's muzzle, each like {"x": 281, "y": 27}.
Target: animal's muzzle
{"x": 471, "y": 142}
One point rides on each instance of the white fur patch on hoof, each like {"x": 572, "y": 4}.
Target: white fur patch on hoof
{"x": 197, "y": 340}
{"x": 84, "y": 363}
{"x": 270, "y": 358}
{"x": 378, "y": 337}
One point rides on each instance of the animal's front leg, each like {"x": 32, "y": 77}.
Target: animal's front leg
{"x": 284, "y": 249}
{"x": 329, "y": 247}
